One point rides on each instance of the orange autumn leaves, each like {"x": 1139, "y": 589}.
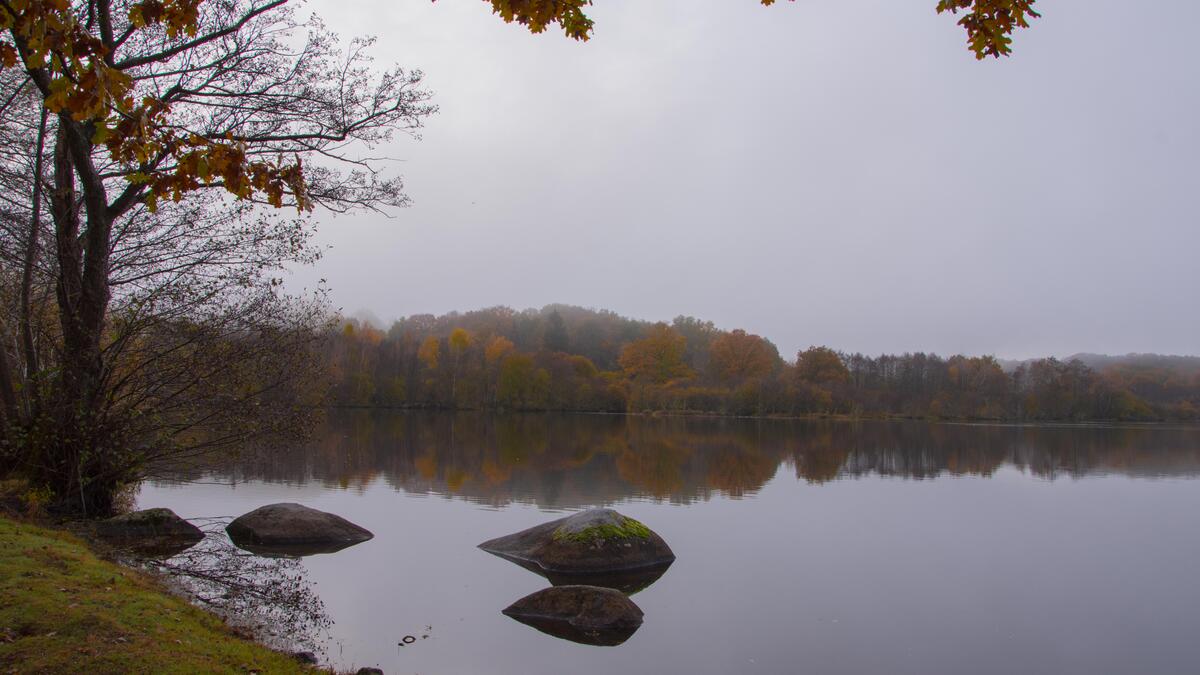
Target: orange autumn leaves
{"x": 989, "y": 23}
{"x": 79, "y": 78}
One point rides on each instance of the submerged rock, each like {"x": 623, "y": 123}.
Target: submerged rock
{"x": 293, "y": 529}
{"x": 151, "y": 532}
{"x": 596, "y": 542}
{"x": 586, "y": 614}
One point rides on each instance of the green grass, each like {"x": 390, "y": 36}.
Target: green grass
{"x": 628, "y": 529}
{"x": 63, "y": 610}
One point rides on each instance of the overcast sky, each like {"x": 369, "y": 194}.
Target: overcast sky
{"x": 837, "y": 172}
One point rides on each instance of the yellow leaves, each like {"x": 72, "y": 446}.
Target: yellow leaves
{"x": 136, "y": 17}
{"x": 429, "y": 352}
{"x": 100, "y": 134}
{"x": 8, "y": 56}
{"x": 497, "y": 348}
{"x": 460, "y": 340}
{"x": 59, "y": 92}
{"x": 178, "y": 17}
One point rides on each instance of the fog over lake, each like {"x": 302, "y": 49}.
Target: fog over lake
{"x": 529, "y": 337}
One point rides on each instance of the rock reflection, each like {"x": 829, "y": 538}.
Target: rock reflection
{"x": 292, "y": 550}
{"x": 270, "y": 599}
{"x": 628, "y": 582}
{"x": 568, "y": 461}
{"x": 152, "y": 548}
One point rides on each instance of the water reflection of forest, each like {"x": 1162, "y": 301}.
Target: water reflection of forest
{"x": 574, "y": 460}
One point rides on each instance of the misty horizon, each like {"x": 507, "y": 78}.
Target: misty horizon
{"x": 371, "y": 318}
{"x": 840, "y": 174}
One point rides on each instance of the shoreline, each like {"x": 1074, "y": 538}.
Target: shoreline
{"x": 809, "y": 417}
{"x": 63, "y": 602}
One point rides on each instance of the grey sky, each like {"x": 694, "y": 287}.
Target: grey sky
{"x": 841, "y": 173}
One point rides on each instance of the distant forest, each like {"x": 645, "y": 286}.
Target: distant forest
{"x": 575, "y": 359}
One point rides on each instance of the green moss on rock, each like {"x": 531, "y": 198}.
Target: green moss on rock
{"x": 627, "y": 529}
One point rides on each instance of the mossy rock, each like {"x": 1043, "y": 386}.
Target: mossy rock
{"x": 585, "y": 614}
{"x": 595, "y": 542}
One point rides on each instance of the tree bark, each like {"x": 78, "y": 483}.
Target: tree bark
{"x": 8, "y": 397}
{"x": 31, "y": 256}
{"x": 69, "y": 289}
{"x": 83, "y": 290}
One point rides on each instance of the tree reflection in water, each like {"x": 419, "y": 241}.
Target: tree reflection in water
{"x": 565, "y": 461}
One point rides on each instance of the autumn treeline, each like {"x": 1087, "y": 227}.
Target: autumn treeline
{"x": 570, "y": 358}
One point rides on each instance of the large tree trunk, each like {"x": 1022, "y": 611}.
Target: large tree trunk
{"x": 80, "y": 459}
{"x": 83, "y": 291}
{"x": 69, "y": 250}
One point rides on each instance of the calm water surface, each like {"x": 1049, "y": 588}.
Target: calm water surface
{"x": 801, "y": 546}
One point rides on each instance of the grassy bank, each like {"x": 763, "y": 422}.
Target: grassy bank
{"x": 63, "y": 610}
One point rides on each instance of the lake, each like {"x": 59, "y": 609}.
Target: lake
{"x": 802, "y": 546}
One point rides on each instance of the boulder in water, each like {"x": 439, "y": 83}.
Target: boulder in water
{"x": 592, "y": 542}
{"x": 155, "y": 532}
{"x": 585, "y": 614}
{"x": 293, "y": 529}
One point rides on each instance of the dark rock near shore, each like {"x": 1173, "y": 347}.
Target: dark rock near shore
{"x": 148, "y": 523}
{"x": 151, "y": 532}
{"x": 585, "y": 614}
{"x": 305, "y": 657}
{"x": 293, "y": 529}
{"x": 590, "y": 544}
{"x": 368, "y": 671}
